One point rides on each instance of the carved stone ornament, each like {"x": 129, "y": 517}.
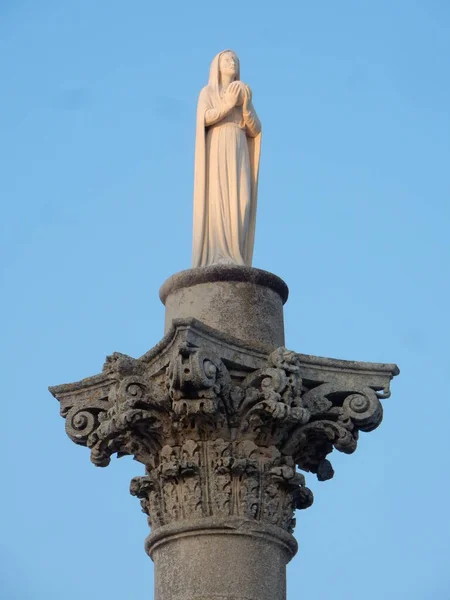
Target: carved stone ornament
{"x": 221, "y": 426}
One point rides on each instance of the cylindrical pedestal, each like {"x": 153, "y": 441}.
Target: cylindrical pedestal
{"x": 240, "y": 301}
{"x": 213, "y": 559}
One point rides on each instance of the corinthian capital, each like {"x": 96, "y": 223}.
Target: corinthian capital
{"x": 223, "y": 426}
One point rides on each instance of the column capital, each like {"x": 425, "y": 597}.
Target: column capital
{"x": 222, "y": 425}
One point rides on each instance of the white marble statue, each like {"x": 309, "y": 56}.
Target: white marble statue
{"x": 227, "y": 149}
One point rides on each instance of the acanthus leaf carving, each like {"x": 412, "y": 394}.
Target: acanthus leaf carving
{"x": 219, "y": 441}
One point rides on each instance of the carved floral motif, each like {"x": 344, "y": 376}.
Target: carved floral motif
{"x": 217, "y": 443}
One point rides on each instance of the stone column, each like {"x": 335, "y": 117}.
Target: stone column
{"x": 232, "y": 558}
{"x": 222, "y": 415}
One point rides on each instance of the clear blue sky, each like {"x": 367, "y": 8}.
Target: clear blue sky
{"x": 97, "y": 115}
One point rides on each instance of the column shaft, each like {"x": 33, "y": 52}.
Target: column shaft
{"x": 234, "y": 561}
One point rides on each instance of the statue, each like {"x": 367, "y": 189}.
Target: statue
{"x": 227, "y": 150}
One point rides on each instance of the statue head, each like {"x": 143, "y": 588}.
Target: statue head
{"x": 227, "y": 63}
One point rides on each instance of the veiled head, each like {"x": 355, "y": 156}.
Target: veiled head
{"x": 225, "y": 62}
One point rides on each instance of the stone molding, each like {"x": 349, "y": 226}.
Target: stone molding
{"x": 221, "y": 425}
{"x": 221, "y": 273}
{"x": 229, "y": 526}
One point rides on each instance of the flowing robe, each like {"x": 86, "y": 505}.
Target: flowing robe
{"x": 226, "y": 181}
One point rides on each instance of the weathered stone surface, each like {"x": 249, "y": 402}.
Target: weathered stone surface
{"x": 230, "y": 559}
{"x": 220, "y": 426}
{"x": 241, "y": 301}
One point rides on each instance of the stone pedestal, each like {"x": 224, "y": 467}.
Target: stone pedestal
{"x": 240, "y": 301}
{"x": 222, "y": 416}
